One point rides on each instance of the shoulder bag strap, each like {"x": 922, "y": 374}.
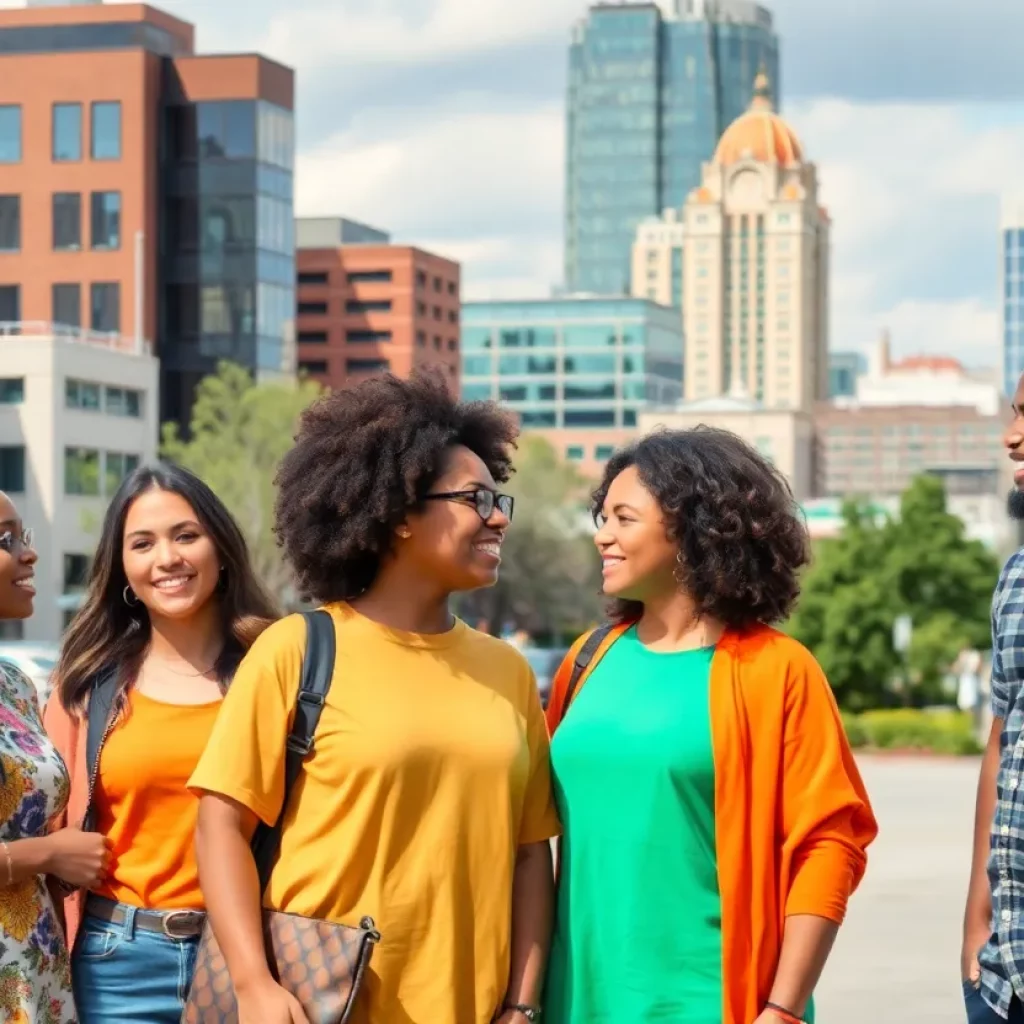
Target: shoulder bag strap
{"x": 317, "y": 672}
{"x": 584, "y": 657}
{"x": 102, "y": 698}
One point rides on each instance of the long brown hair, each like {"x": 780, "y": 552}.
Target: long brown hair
{"x": 108, "y": 634}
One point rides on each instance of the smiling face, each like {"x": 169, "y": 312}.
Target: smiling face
{"x": 638, "y": 557}
{"x": 447, "y": 540}
{"x": 169, "y": 559}
{"x": 17, "y": 564}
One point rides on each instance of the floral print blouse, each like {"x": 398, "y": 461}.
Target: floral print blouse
{"x": 35, "y": 972}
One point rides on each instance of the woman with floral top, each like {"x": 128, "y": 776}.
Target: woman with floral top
{"x": 35, "y": 975}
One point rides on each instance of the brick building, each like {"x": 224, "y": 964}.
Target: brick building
{"x": 365, "y": 306}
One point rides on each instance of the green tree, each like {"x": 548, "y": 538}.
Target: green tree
{"x": 920, "y": 564}
{"x": 550, "y": 575}
{"x": 239, "y": 432}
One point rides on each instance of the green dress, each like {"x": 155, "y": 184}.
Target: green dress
{"x": 638, "y": 938}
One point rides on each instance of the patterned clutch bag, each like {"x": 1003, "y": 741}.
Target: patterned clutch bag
{"x": 320, "y": 963}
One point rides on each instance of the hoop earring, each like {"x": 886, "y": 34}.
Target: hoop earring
{"x": 680, "y": 570}
{"x": 129, "y": 597}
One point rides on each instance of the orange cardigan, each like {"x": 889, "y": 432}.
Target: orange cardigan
{"x": 68, "y": 734}
{"x": 792, "y": 817}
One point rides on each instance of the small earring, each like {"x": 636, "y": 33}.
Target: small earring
{"x": 129, "y": 597}
{"x": 404, "y": 534}
{"x": 680, "y": 570}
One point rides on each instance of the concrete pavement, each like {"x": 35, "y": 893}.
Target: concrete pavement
{"x": 897, "y": 957}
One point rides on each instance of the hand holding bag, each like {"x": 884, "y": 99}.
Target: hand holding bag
{"x": 320, "y": 963}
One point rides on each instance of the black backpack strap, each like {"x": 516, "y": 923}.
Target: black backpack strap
{"x": 102, "y": 698}
{"x": 317, "y": 672}
{"x": 584, "y": 657}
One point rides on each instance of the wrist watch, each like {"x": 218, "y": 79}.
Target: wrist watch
{"x": 531, "y": 1013}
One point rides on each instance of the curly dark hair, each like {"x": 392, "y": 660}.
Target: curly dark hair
{"x": 740, "y": 533}
{"x": 363, "y": 459}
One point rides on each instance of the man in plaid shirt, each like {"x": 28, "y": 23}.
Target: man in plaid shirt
{"x": 992, "y": 961}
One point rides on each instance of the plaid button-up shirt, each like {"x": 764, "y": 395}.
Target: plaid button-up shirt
{"x": 1002, "y": 959}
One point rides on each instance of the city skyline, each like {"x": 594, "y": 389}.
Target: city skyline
{"x": 914, "y": 147}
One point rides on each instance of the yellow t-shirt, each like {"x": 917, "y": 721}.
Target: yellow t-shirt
{"x": 430, "y": 768}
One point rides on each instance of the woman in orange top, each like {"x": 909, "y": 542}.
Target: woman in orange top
{"x": 172, "y": 606}
{"x": 715, "y": 822}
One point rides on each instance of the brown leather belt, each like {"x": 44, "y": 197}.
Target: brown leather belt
{"x": 175, "y": 924}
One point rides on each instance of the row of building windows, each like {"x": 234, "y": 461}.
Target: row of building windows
{"x": 88, "y": 472}
{"x": 363, "y": 306}
{"x": 66, "y": 221}
{"x": 374, "y": 337}
{"x": 80, "y": 394}
{"x": 315, "y": 277}
{"x": 571, "y": 336}
{"x": 578, "y": 452}
{"x": 319, "y": 367}
{"x": 67, "y": 147}
{"x": 540, "y": 365}
{"x": 66, "y": 305}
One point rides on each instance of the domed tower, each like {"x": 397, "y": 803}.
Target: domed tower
{"x": 755, "y": 267}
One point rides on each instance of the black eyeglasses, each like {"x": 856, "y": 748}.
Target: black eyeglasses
{"x": 485, "y": 502}
{"x": 9, "y": 540}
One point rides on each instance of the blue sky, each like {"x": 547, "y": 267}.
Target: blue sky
{"x": 441, "y": 120}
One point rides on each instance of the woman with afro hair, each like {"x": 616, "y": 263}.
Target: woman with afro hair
{"x": 715, "y": 821}
{"x": 426, "y": 804}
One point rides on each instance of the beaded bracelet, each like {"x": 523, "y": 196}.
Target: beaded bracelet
{"x": 787, "y": 1015}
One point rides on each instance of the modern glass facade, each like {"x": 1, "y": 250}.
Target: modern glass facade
{"x": 229, "y": 243}
{"x": 1013, "y": 307}
{"x": 649, "y": 97}
{"x": 843, "y": 370}
{"x": 572, "y": 362}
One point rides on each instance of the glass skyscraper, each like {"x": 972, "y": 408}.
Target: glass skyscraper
{"x": 1012, "y": 246}
{"x": 652, "y": 86}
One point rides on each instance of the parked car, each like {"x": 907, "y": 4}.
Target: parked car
{"x": 544, "y": 661}
{"x": 36, "y": 660}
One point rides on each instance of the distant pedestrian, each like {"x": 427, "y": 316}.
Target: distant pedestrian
{"x": 992, "y": 958}
{"x": 715, "y": 820}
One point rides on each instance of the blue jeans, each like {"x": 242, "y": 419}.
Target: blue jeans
{"x": 122, "y": 973}
{"x": 979, "y": 1012}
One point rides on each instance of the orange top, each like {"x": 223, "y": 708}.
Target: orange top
{"x": 144, "y": 807}
{"x": 792, "y": 817}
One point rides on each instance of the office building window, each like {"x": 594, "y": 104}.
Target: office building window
{"x": 367, "y": 366}
{"x": 81, "y": 394}
{"x": 603, "y": 452}
{"x": 67, "y": 220}
{"x": 12, "y": 390}
{"x": 67, "y": 132}
{"x": 10, "y": 303}
{"x": 421, "y": 339}
{"x": 312, "y": 366}
{"x": 227, "y": 129}
{"x": 118, "y": 466}
{"x": 437, "y": 312}
{"x": 124, "y": 402}
{"x": 106, "y": 220}
{"x": 67, "y": 305}
{"x": 10, "y": 223}
{"x": 453, "y": 345}
{"x": 312, "y": 337}
{"x": 421, "y": 279}
{"x": 373, "y": 306}
{"x": 574, "y": 453}
{"x": 358, "y": 336}
{"x": 76, "y": 573}
{"x": 313, "y": 308}
{"x": 12, "y": 468}
{"x": 312, "y": 277}
{"x": 437, "y": 344}
{"x": 10, "y": 134}
{"x": 370, "y": 277}
{"x": 105, "y": 307}
{"x": 82, "y": 472}
{"x": 106, "y": 131}
{"x": 452, "y": 289}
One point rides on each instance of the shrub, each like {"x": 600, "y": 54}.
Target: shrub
{"x": 938, "y": 732}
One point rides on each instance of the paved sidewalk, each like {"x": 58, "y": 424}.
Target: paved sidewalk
{"x": 897, "y": 957}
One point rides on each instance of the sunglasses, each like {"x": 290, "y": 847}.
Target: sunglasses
{"x": 485, "y": 502}
{"x": 9, "y": 540}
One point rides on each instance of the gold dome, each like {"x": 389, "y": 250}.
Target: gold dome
{"x": 760, "y": 134}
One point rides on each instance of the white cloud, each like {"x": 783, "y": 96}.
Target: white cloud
{"x": 481, "y": 187}
{"x": 914, "y": 193}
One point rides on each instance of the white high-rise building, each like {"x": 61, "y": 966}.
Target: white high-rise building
{"x": 78, "y": 412}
